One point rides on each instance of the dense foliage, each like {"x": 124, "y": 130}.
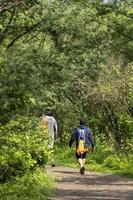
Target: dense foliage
{"x": 23, "y": 147}
{"x": 74, "y": 56}
{"x": 37, "y": 185}
{"x": 23, "y": 154}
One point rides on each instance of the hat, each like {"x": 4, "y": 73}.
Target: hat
{"x": 48, "y": 111}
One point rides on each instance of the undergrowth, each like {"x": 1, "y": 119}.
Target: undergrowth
{"x": 105, "y": 160}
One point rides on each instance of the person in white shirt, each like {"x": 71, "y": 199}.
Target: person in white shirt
{"x": 51, "y": 124}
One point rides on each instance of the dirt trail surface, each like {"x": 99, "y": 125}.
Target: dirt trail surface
{"x": 93, "y": 186}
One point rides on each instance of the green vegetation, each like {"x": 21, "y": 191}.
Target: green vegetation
{"x": 23, "y": 154}
{"x": 105, "y": 160}
{"x": 37, "y": 185}
{"x": 76, "y": 57}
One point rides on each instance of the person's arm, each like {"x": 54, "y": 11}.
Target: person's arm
{"x": 55, "y": 128}
{"x": 73, "y": 138}
{"x": 92, "y": 141}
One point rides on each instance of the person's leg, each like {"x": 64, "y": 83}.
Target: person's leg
{"x": 80, "y": 161}
{"x": 78, "y": 158}
{"x": 51, "y": 141}
{"x": 82, "y": 169}
{"x": 84, "y": 156}
{"x": 52, "y": 158}
{"x": 83, "y": 161}
{"x": 51, "y": 145}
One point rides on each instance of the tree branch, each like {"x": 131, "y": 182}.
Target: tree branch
{"x": 29, "y": 29}
{"x": 2, "y": 36}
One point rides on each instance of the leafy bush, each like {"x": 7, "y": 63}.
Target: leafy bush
{"x": 103, "y": 150}
{"x": 126, "y": 166}
{"x": 37, "y": 185}
{"x": 112, "y": 162}
{"x": 23, "y": 147}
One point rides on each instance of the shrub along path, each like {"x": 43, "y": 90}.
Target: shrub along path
{"x": 93, "y": 186}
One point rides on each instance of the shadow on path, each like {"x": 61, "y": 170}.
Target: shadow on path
{"x": 71, "y": 185}
{"x": 67, "y": 194}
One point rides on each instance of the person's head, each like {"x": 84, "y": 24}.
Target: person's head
{"x": 82, "y": 122}
{"x": 48, "y": 112}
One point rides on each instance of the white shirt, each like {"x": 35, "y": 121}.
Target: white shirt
{"x": 52, "y": 124}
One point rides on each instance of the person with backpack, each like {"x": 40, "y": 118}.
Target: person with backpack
{"x": 84, "y": 139}
{"x": 49, "y": 122}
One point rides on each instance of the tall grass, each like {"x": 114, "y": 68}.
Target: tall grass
{"x": 105, "y": 159}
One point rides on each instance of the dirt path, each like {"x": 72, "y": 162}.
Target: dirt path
{"x": 93, "y": 186}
